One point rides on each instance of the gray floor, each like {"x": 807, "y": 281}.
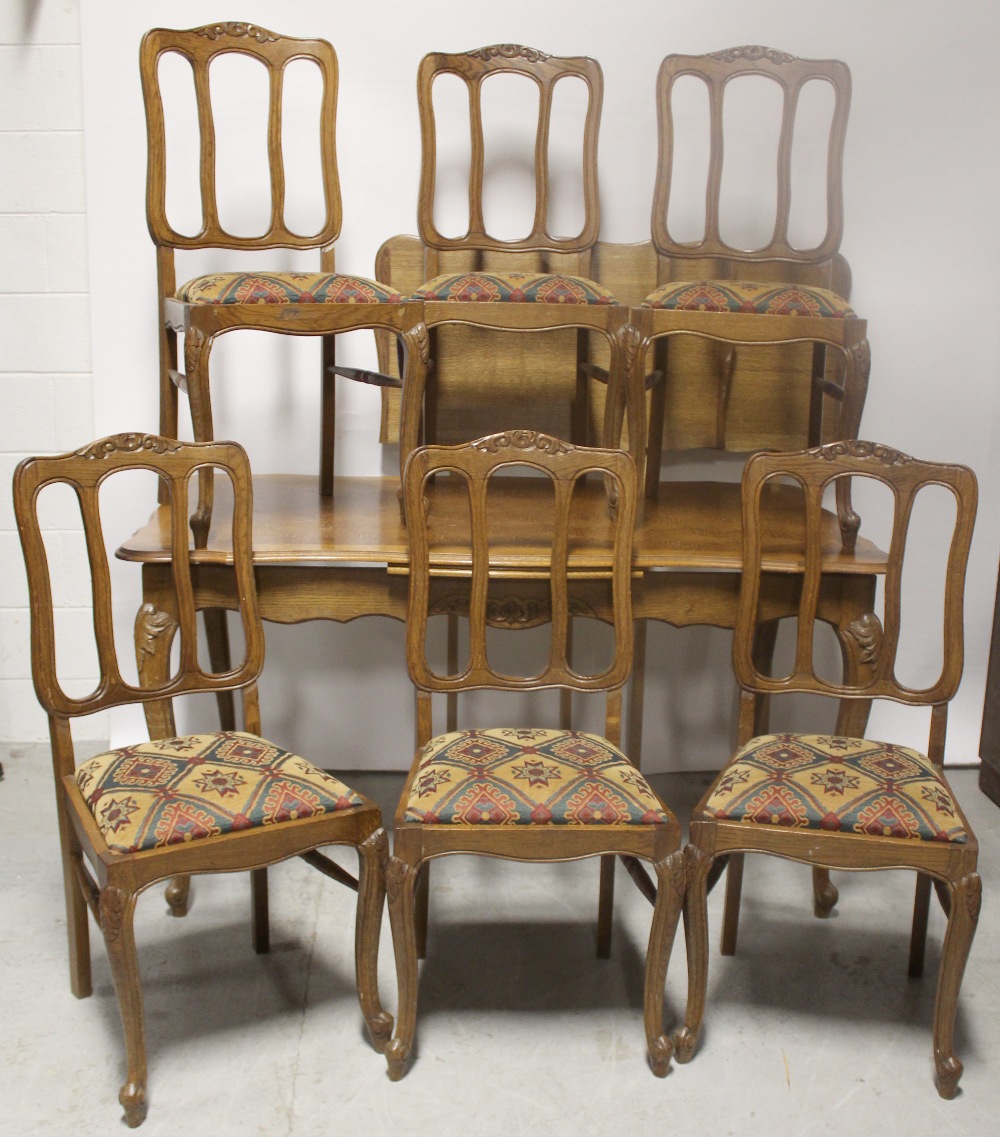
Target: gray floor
{"x": 813, "y": 1027}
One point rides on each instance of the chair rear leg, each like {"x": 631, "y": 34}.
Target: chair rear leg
{"x": 605, "y": 906}
{"x": 731, "y": 915}
{"x": 373, "y": 853}
{"x": 918, "y": 933}
{"x": 117, "y": 909}
{"x": 963, "y": 916}
{"x": 220, "y": 660}
{"x": 422, "y": 902}
{"x": 77, "y": 913}
{"x": 260, "y": 919}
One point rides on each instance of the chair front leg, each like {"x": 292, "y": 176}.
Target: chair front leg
{"x": 401, "y": 880}
{"x": 963, "y": 916}
{"x": 373, "y": 853}
{"x": 117, "y": 909}
{"x": 671, "y": 881}
{"x": 698, "y": 864}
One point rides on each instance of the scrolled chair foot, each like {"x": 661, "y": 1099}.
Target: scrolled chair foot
{"x": 660, "y": 1054}
{"x": 132, "y": 1097}
{"x": 946, "y": 1075}
{"x": 177, "y": 895}
{"x": 380, "y": 1030}
{"x": 685, "y": 1043}
{"x": 825, "y": 897}
{"x": 397, "y": 1055}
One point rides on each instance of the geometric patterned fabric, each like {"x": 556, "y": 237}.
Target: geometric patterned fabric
{"x": 183, "y": 789}
{"x": 841, "y": 785}
{"x": 286, "y": 288}
{"x": 514, "y": 288}
{"x": 748, "y": 297}
{"x": 509, "y": 776}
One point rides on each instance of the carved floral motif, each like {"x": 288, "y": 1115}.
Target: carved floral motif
{"x": 378, "y": 844}
{"x": 419, "y": 338}
{"x": 129, "y": 444}
{"x": 850, "y": 448}
{"x": 150, "y": 624}
{"x": 509, "y": 611}
{"x": 973, "y": 896}
{"x": 111, "y": 912}
{"x": 521, "y": 440}
{"x": 238, "y": 31}
{"x": 752, "y": 53}
{"x": 866, "y": 631}
{"x": 396, "y": 874}
{"x": 508, "y": 51}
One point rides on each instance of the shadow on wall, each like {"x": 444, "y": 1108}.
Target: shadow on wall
{"x": 30, "y": 11}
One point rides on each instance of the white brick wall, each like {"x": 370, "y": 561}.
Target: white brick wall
{"x": 45, "y": 381}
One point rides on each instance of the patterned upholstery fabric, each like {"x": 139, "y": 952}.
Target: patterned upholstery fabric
{"x": 182, "y": 789}
{"x": 286, "y": 288}
{"x": 745, "y": 296}
{"x": 843, "y": 785}
{"x": 514, "y": 288}
{"x": 511, "y": 776}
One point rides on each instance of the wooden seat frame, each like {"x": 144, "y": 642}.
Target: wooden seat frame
{"x": 951, "y": 867}
{"x": 103, "y": 879}
{"x": 415, "y": 844}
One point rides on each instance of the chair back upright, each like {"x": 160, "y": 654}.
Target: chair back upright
{"x": 582, "y": 542}
{"x": 716, "y": 70}
{"x": 475, "y": 68}
{"x": 85, "y": 471}
{"x": 201, "y": 47}
{"x": 876, "y": 638}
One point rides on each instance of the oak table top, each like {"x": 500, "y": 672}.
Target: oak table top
{"x": 692, "y": 525}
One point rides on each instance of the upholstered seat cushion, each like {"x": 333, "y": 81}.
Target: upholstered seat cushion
{"x": 745, "y": 296}
{"x": 842, "y": 785}
{"x": 286, "y": 288}
{"x": 182, "y": 789}
{"x": 514, "y": 288}
{"x": 510, "y": 776}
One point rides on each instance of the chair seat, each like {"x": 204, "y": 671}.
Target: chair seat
{"x": 744, "y": 296}
{"x": 514, "y": 288}
{"x": 841, "y": 785}
{"x": 286, "y": 288}
{"x": 512, "y": 776}
{"x": 183, "y": 789}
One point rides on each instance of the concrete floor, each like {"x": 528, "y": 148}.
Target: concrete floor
{"x": 812, "y": 1028}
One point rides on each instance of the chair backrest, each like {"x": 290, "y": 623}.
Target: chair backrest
{"x": 716, "y": 70}
{"x": 84, "y": 471}
{"x": 592, "y": 544}
{"x": 200, "y": 46}
{"x": 878, "y": 639}
{"x": 474, "y": 68}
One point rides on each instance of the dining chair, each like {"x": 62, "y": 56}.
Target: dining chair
{"x": 322, "y": 303}
{"x": 840, "y": 801}
{"x": 738, "y": 320}
{"x": 220, "y": 801}
{"x": 528, "y": 794}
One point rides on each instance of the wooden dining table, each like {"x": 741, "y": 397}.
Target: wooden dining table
{"x": 344, "y": 556}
